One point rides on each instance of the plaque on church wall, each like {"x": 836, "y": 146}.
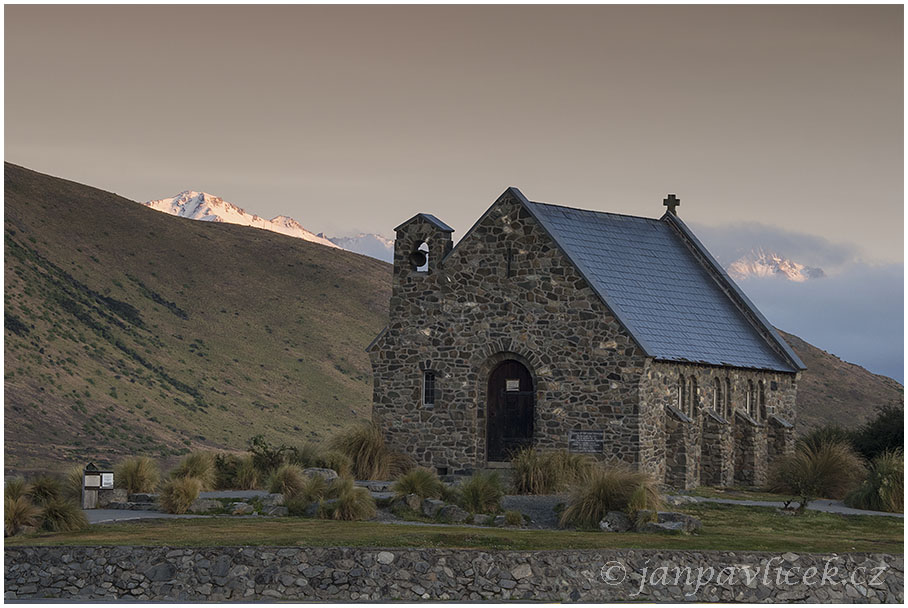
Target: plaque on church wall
{"x": 511, "y": 385}
{"x": 107, "y": 481}
{"x": 586, "y": 442}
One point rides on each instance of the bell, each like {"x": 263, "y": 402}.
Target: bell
{"x": 418, "y": 258}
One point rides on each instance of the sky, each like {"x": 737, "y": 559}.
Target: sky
{"x": 354, "y": 118}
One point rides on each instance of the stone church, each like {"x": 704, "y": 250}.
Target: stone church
{"x": 612, "y": 335}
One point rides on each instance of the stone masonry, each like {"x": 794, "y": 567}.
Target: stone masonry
{"x": 508, "y": 292}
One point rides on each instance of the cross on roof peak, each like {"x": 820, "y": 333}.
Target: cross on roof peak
{"x": 672, "y": 203}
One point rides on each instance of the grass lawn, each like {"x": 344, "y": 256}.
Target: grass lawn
{"x": 724, "y": 527}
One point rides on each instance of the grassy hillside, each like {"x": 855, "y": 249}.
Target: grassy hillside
{"x": 130, "y": 331}
{"x": 833, "y": 391}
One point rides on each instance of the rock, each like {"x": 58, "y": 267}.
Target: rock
{"x": 161, "y": 572}
{"x": 241, "y": 508}
{"x": 679, "y": 500}
{"x": 506, "y": 583}
{"x": 384, "y": 557}
{"x": 413, "y": 502}
{"x": 326, "y": 474}
{"x": 205, "y": 505}
{"x": 271, "y": 500}
{"x": 669, "y": 527}
{"x": 480, "y": 519}
{"x": 142, "y": 498}
{"x": 311, "y": 510}
{"x": 431, "y": 506}
{"x": 453, "y": 513}
{"x": 499, "y": 520}
{"x": 521, "y": 571}
{"x": 689, "y": 522}
{"x": 615, "y": 521}
{"x": 276, "y": 511}
{"x": 105, "y": 497}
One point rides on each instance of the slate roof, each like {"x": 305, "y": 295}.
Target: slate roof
{"x": 657, "y": 287}
{"x": 429, "y": 218}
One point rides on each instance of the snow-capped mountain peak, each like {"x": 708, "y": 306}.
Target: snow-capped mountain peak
{"x": 196, "y": 205}
{"x": 762, "y": 263}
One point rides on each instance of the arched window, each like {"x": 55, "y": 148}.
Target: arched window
{"x": 761, "y": 398}
{"x": 717, "y": 396}
{"x": 751, "y": 401}
{"x": 682, "y": 395}
{"x": 694, "y": 402}
{"x": 428, "y": 389}
{"x": 419, "y": 259}
{"x": 729, "y": 409}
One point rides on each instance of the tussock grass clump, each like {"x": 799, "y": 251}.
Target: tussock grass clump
{"x": 422, "y": 482}
{"x": 137, "y": 475}
{"x": 352, "y": 503}
{"x": 338, "y": 462}
{"x": 304, "y": 456}
{"x": 828, "y": 470}
{"x": 178, "y": 494}
{"x": 608, "y": 488}
{"x": 60, "y": 515}
{"x": 16, "y": 488}
{"x": 884, "y": 487}
{"x": 19, "y": 513}
{"x": 513, "y": 518}
{"x": 72, "y": 484}
{"x": 247, "y": 476}
{"x": 827, "y": 434}
{"x": 365, "y": 445}
{"x": 537, "y": 472}
{"x": 200, "y": 466}
{"x": 45, "y": 489}
{"x": 481, "y": 493}
{"x": 288, "y": 480}
{"x": 314, "y": 488}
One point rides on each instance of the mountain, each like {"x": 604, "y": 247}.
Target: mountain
{"x": 372, "y": 245}
{"x": 207, "y": 207}
{"x": 132, "y": 332}
{"x": 128, "y": 331}
{"x": 833, "y": 391}
{"x": 762, "y": 263}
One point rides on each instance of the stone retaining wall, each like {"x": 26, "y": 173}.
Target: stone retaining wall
{"x": 363, "y": 574}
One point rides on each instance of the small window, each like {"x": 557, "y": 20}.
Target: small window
{"x": 428, "y": 389}
{"x": 729, "y": 411}
{"x": 682, "y": 395}
{"x": 751, "y": 400}
{"x": 761, "y": 387}
{"x": 717, "y": 396}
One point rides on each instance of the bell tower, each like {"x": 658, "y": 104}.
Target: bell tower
{"x": 420, "y": 244}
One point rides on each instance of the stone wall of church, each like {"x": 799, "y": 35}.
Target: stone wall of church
{"x": 507, "y": 291}
{"x": 746, "y": 430}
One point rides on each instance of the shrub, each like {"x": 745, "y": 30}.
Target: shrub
{"x": 247, "y": 476}
{"x": 296, "y": 505}
{"x": 538, "y": 472}
{"x": 288, "y": 480}
{"x": 60, "y": 515}
{"x": 178, "y": 494}
{"x": 72, "y": 484}
{"x": 829, "y": 470}
{"x": 225, "y": 466}
{"x": 419, "y": 481}
{"x": 610, "y": 489}
{"x": 883, "y": 489}
{"x": 137, "y": 475}
{"x": 351, "y": 504}
{"x": 198, "y": 465}
{"x": 306, "y": 455}
{"x": 885, "y": 432}
{"x": 265, "y": 456}
{"x": 45, "y": 489}
{"x": 513, "y": 518}
{"x": 400, "y": 464}
{"x": 365, "y": 446}
{"x": 16, "y": 488}
{"x": 481, "y": 493}
{"x": 18, "y": 513}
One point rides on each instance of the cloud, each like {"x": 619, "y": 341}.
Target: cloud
{"x": 857, "y": 314}
{"x": 729, "y": 242}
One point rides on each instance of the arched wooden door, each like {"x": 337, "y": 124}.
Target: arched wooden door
{"x": 511, "y": 406}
